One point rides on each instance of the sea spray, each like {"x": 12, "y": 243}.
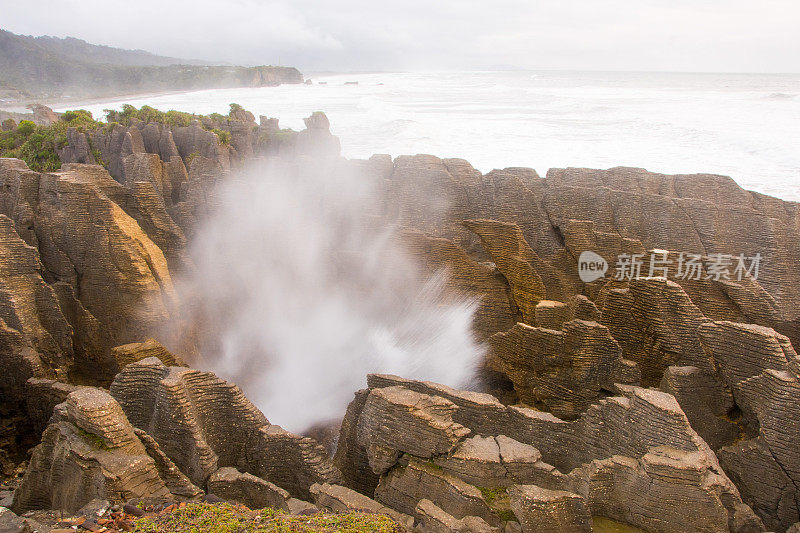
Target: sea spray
{"x": 303, "y": 289}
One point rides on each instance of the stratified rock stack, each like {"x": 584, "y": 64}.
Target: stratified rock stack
{"x": 762, "y": 370}
{"x": 651, "y": 397}
{"x": 622, "y": 459}
{"x": 204, "y": 423}
{"x": 88, "y": 451}
{"x": 163, "y": 432}
{"x": 564, "y": 370}
{"x": 88, "y": 253}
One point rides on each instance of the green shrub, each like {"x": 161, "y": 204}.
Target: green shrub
{"x": 25, "y": 128}
{"x": 38, "y": 146}
{"x": 224, "y": 136}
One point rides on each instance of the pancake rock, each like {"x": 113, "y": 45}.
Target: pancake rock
{"x": 565, "y": 370}
{"x": 337, "y": 498}
{"x": 203, "y": 423}
{"x": 549, "y": 510}
{"x": 432, "y": 519}
{"x": 640, "y": 439}
{"x": 89, "y": 450}
{"x": 247, "y": 489}
{"x": 761, "y": 369}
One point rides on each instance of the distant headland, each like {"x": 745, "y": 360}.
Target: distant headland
{"x": 51, "y": 68}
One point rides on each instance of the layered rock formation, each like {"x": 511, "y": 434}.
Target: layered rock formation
{"x": 165, "y": 432}
{"x": 88, "y": 451}
{"x": 204, "y": 423}
{"x": 605, "y": 459}
{"x": 659, "y": 400}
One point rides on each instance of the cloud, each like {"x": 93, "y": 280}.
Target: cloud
{"x": 706, "y": 35}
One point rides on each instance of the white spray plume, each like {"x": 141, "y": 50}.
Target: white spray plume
{"x": 306, "y": 295}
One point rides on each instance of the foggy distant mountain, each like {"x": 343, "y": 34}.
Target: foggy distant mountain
{"x": 51, "y": 67}
{"x": 80, "y": 50}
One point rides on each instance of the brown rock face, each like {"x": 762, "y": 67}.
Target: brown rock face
{"x": 408, "y": 422}
{"x": 247, "y": 489}
{"x": 89, "y": 451}
{"x": 657, "y": 325}
{"x": 35, "y": 337}
{"x": 203, "y": 423}
{"x": 90, "y": 243}
{"x": 622, "y": 458}
{"x": 406, "y": 485}
{"x": 432, "y": 519}
{"x": 761, "y": 369}
{"x": 516, "y": 261}
{"x": 136, "y": 351}
{"x": 340, "y": 499}
{"x": 549, "y": 510}
{"x": 565, "y": 370}
{"x": 87, "y": 257}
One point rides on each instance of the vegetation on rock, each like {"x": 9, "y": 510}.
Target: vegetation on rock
{"x": 38, "y": 145}
{"x": 147, "y": 114}
{"x": 226, "y": 518}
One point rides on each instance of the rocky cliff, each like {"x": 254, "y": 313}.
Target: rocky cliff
{"x": 658, "y": 400}
{"x": 48, "y": 67}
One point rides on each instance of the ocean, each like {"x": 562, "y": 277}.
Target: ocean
{"x": 746, "y": 126}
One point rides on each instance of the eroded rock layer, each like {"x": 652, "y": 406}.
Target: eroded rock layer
{"x": 658, "y": 399}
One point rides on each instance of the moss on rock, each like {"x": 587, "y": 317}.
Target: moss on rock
{"x": 227, "y": 518}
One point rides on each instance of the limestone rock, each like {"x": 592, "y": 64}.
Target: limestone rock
{"x": 316, "y": 140}
{"x": 193, "y": 141}
{"x": 341, "y": 499}
{"x": 247, "y": 489}
{"x": 203, "y": 423}
{"x": 11, "y": 523}
{"x": 761, "y": 369}
{"x": 467, "y": 276}
{"x": 396, "y": 420}
{"x": 481, "y": 412}
{"x": 88, "y": 241}
{"x": 351, "y": 457}
{"x": 551, "y": 315}
{"x": 582, "y": 308}
{"x": 516, "y": 261}
{"x": 299, "y": 507}
{"x": 190, "y": 414}
{"x": 134, "y": 352}
{"x": 77, "y": 149}
{"x": 707, "y": 405}
{"x": 34, "y": 334}
{"x": 43, "y": 115}
{"x": 543, "y": 510}
{"x": 495, "y": 462}
{"x": 433, "y": 520}
{"x": 641, "y": 438}
{"x": 89, "y": 451}
{"x": 666, "y": 490}
{"x": 564, "y": 370}
{"x": 175, "y": 480}
{"x": 657, "y": 325}
{"x": 404, "y": 486}
{"x": 42, "y": 395}
{"x": 290, "y": 461}
{"x": 763, "y": 483}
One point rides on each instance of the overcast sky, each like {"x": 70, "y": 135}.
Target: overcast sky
{"x": 671, "y": 35}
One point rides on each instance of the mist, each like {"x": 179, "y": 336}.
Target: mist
{"x": 302, "y": 293}
{"x": 683, "y": 35}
